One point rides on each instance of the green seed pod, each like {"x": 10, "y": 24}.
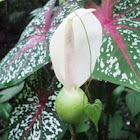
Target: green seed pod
{"x": 70, "y": 105}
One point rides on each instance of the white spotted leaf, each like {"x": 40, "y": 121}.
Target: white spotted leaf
{"x": 31, "y": 51}
{"x": 33, "y": 115}
{"x": 119, "y": 61}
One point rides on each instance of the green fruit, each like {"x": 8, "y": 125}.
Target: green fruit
{"x": 70, "y": 105}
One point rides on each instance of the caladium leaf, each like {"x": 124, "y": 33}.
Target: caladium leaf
{"x": 31, "y": 51}
{"x": 119, "y": 61}
{"x": 34, "y": 116}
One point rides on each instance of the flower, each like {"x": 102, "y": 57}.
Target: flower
{"x": 75, "y": 47}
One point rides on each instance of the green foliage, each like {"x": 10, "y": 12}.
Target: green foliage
{"x": 5, "y": 136}
{"x": 82, "y": 127}
{"x": 8, "y": 93}
{"x": 133, "y": 102}
{"x": 133, "y": 137}
{"x": 5, "y": 111}
{"x": 93, "y": 111}
{"x": 116, "y": 124}
{"x": 118, "y": 91}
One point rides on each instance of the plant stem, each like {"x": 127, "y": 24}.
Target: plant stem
{"x": 88, "y": 93}
{"x": 89, "y": 97}
{"x": 100, "y": 134}
{"x": 109, "y": 93}
{"x": 72, "y": 131}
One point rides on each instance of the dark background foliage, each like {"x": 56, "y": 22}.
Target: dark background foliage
{"x": 116, "y": 122}
{"x": 14, "y": 16}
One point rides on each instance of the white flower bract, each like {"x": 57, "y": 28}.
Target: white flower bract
{"x": 69, "y": 47}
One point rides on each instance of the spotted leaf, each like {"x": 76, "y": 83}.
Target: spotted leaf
{"x": 34, "y": 115}
{"x": 31, "y": 51}
{"x": 119, "y": 61}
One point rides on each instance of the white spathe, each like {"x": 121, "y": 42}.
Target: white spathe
{"x": 69, "y": 48}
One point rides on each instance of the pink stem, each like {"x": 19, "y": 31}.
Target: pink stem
{"x": 19, "y": 54}
{"x": 24, "y": 50}
{"x": 114, "y": 3}
{"x": 107, "y": 9}
{"x": 127, "y": 27}
{"x": 38, "y": 28}
{"x": 34, "y": 45}
{"x": 115, "y": 18}
{"x": 45, "y": 42}
{"x": 41, "y": 126}
{"x": 48, "y": 109}
{"x": 135, "y": 19}
{"x": 47, "y": 21}
{"x": 118, "y": 39}
{"x": 32, "y": 122}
